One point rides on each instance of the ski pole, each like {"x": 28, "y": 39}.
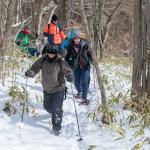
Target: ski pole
{"x": 94, "y": 76}
{"x": 76, "y": 116}
{"x": 23, "y": 104}
{"x": 22, "y": 117}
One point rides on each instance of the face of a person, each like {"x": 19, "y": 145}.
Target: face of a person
{"x": 55, "y": 22}
{"x": 51, "y": 55}
{"x": 77, "y": 40}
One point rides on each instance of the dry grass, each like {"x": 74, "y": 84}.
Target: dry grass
{"x": 125, "y": 61}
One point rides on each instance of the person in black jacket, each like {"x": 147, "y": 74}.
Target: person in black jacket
{"x": 79, "y": 58}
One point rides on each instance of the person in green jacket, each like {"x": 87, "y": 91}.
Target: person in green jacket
{"x": 24, "y": 39}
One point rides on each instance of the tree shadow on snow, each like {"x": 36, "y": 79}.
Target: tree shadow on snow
{"x": 41, "y": 122}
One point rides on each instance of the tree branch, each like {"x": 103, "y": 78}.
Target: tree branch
{"x": 113, "y": 12}
{"x": 3, "y": 3}
{"x": 56, "y": 2}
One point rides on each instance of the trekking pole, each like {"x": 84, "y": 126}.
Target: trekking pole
{"x": 22, "y": 117}
{"x": 23, "y": 104}
{"x": 94, "y": 76}
{"x": 76, "y": 116}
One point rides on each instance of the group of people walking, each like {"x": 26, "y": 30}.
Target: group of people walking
{"x": 74, "y": 67}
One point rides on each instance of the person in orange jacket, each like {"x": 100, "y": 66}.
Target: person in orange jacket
{"x": 54, "y": 32}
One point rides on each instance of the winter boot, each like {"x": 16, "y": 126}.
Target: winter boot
{"x": 55, "y": 132}
{"x": 78, "y": 96}
{"x": 84, "y": 102}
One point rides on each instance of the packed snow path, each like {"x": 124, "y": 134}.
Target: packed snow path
{"x": 34, "y": 132}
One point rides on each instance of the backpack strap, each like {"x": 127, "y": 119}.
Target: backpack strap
{"x": 61, "y": 71}
{"x": 62, "y": 81}
{"x": 48, "y": 27}
{"x": 80, "y": 57}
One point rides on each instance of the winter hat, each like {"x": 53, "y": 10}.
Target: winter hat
{"x": 52, "y": 49}
{"x": 77, "y": 34}
{"x": 26, "y": 30}
{"x": 54, "y": 18}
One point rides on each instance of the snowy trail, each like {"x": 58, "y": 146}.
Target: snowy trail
{"x": 34, "y": 134}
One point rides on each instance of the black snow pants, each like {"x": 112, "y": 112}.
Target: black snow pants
{"x": 53, "y": 103}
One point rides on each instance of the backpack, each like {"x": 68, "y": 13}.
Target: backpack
{"x": 48, "y": 46}
{"x": 82, "y": 59}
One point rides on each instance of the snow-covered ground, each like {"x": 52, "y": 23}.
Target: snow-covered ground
{"x": 34, "y": 132}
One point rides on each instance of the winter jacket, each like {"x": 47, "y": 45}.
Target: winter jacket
{"x": 54, "y": 34}
{"x": 23, "y": 40}
{"x": 79, "y": 56}
{"x": 53, "y": 73}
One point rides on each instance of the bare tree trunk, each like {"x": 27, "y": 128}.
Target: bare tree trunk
{"x": 33, "y": 18}
{"x": 97, "y": 27}
{"x": 38, "y": 17}
{"x": 8, "y": 11}
{"x": 147, "y": 5}
{"x": 65, "y": 12}
{"x": 137, "y": 57}
{"x": 148, "y": 39}
{"x": 144, "y": 55}
{"x": 2, "y": 62}
{"x": 148, "y": 75}
{"x": 84, "y": 20}
{"x": 10, "y": 17}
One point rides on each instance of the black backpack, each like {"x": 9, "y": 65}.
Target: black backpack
{"x": 82, "y": 57}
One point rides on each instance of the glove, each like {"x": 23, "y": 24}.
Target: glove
{"x": 69, "y": 78}
{"x": 18, "y": 43}
{"x": 66, "y": 38}
{"x": 29, "y": 73}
